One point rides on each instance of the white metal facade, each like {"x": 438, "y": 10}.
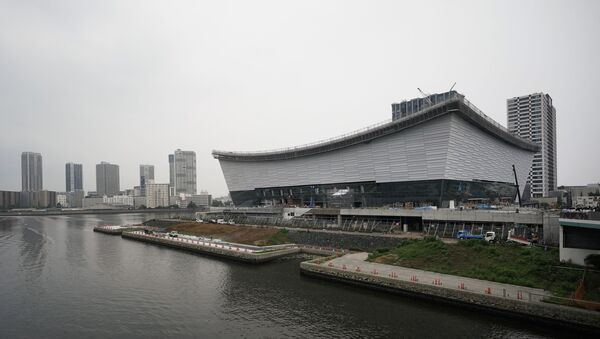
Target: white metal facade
{"x": 447, "y": 147}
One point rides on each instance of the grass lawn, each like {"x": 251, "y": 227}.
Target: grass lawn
{"x": 502, "y": 262}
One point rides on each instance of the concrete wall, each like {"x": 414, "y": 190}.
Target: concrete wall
{"x": 343, "y": 240}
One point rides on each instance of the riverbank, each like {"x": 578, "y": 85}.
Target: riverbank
{"x": 259, "y": 236}
{"x": 505, "y": 299}
{"x": 508, "y": 263}
{"x": 239, "y": 252}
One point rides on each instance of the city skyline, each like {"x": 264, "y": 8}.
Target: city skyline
{"x": 236, "y": 89}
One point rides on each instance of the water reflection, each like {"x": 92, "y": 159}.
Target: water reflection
{"x": 59, "y": 279}
{"x": 33, "y": 249}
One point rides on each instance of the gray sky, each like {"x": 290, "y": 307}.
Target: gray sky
{"x": 130, "y": 81}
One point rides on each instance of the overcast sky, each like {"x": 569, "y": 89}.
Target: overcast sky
{"x": 131, "y": 81}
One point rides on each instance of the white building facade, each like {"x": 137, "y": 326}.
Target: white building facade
{"x": 157, "y": 195}
{"x": 449, "y": 151}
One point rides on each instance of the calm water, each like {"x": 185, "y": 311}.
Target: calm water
{"x": 58, "y": 279}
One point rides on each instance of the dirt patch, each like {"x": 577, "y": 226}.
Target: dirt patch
{"x": 233, "y": 233}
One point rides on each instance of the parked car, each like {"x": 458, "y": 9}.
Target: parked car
{"x": 173, "y": 234}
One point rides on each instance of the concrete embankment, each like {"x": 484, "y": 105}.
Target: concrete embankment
{"x": 118, "y": 230}
{"x": 105, "y": 230}
{"x": 507, "y": 300}
{"x": 163, "y": 223}
{"x": 363, "y": 242}
{"x": 225, "y": 250}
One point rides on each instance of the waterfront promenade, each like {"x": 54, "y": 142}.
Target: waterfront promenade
{"x": 356, "y": 262}
{"x": 506, "y": 299}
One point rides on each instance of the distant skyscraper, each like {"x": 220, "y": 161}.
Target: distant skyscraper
{"x": 533, "y": 117}
{"x": 146, "y": 174}
{"x": 107, "y": 179}
{"x": 182, "y": 172}
{"x": 31, "y": 172}
{"x": 73, "y": 177}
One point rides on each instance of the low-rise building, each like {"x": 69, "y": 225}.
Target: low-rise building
{"x": 578, "y": 239}
{"x": 61, "y": 199}
{"x": 587, "y": 201}
{"x": 200, "y": 200}
{"x": 75, "y": 198}
{"x": 9, "y": 200}
{"x": 580, "y": 191}
{"x": 157, "y": 195}
{"x": 105, "y": 202}
{"x": 39, "y": 199}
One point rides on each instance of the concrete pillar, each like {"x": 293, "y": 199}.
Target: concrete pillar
{"x": 339, "y": 221}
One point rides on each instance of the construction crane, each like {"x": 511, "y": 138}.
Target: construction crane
{"x": 426, "y": 96}
{"x": 517, "y": 183}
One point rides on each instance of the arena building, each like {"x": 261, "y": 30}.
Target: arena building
{"x": 440, "y": 151}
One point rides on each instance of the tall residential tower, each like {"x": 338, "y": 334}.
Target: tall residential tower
{"x": 146, "y": 174}
{"x": 533, "y": 117}
{"x": 73, "y": 177}
{"x": 107, "y": 179}
{"x": 31, "y": 172}
{"x": 182, "y": 172}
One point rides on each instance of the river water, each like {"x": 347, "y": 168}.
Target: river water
{"x": 58, "y": 279}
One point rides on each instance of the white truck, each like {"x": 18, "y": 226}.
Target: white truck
{"x": 490, "y": 236}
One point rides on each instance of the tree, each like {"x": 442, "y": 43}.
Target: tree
{"x": 593, "y": 260}
{"x": 192, "y": 205}
{"x": 217, "y": 203}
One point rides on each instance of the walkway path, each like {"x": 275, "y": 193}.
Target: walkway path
{"x": 356, "y": 263}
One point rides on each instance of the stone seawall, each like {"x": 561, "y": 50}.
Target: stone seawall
{"x": 222, "y": 251}
{"x": 111, "y": 231}
{"x": 363, "y": 242}
{"x": 551, "y": 314}
{"x": 163, "y": 223}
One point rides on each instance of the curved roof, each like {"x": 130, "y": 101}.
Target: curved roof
{"x": 458, "y": 105}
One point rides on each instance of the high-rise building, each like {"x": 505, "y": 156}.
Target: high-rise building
{"x": 73, "y": 177}
{"x": 107, "y": 179}
{"x": 182, "y": 172}
{"x": 146, "y": 174}
{"x": 31, "y": 172}
{"x": 533, "y": 117}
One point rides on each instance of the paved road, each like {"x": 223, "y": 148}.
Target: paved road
{"x": 355, "y": 262}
